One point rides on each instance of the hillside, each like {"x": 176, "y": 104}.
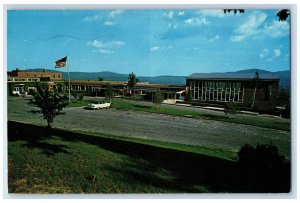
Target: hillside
{"x": 284, "y": 76}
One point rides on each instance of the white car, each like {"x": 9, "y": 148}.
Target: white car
{"x": 99, "y": 105}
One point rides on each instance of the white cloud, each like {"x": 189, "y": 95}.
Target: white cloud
{"x": 264, "y": 53}
{"x": 270, "y": 55}
{"x": 253, "y": 27}
{"x": 152, "y": 49}
{"x": 106, "y": 48}
{"x": 95, "y": 18}
{"x": 109, "y": 19}
{"x": 237, "y": 38}
{"x": 169, "y": 15}
{"x": 196, "y": 21}
{"x": 277, "y": 29}
{"x": 162, "y": 48}
{"x": 214, "y": 38}
{"x": 172, "y": 26}
{"x": 109, "y": 23}
{"x": 249, "y": 27}
{"x": 180, "y": 13}
{"x": 115, "y": 13}
{"x": 252, "y": 23}
{"x": 277, "y": 52}
{"x": 217, "y": 13}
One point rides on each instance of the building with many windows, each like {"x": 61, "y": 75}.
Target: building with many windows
{"x": 239, "y": 88}
{"x": 20, "y": 82}
{"x": 19, "y": 75}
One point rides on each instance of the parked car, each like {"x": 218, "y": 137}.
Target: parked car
{"x": 98, "y": 105}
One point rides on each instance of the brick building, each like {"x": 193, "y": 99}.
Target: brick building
{"x": 43, "y": 76}
{"x": 240, "y": 88}
{"x": 20, "y": 82}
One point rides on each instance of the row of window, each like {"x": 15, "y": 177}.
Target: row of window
{"x": 23, "y": 79}
{"x": 42, "y": 75}
{"x": 216, "y": 84}
{"x": 217, "y": 91}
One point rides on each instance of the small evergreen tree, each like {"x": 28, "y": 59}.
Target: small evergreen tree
{"x": 80, "y": 97}
{"x": 231, "y": 109}
{"x": 132, "y": 80}
{"x": 50, "y": 103}
{"x": 109, "y": 93}
{"x": 256, "y": 79}
{"x": 158, "y": 98}
{"x": 74, "y": 94}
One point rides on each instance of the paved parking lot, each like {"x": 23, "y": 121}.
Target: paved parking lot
{"x": 176, "y": 129}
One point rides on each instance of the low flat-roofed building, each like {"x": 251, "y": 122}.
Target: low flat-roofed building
{"x": 239, "y": 88}
{"x": 43, "y": 75}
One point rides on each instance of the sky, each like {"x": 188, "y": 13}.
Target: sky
{"x": 148, "y": 42}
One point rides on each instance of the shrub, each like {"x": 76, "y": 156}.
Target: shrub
{"x": 231, "y": 108}
{"x": 263, "y": 169}
{"x": 81, "y": 96}
{"x": 158, "y": 99}
{"x": 50, "y": 103}
{"x": 74, "y": 94}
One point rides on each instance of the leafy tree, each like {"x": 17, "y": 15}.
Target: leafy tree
{"x": 284, "y": 101}
{"x": 109, "y": 93}
{"x": 158, "y": 98}
{"x": 189, "y": 97}
{"x": 74, "y": 94}
{"x": 50, "y": 103}
{"x": 100, "y": 79}
{"x": 132, "y": 80}
{"x": 60, "y": 86}
{"x": 283, "y": 98}
{"x": 256, "y": 79}
{"x": 80, "y": 97}
{"x": 231, "y": 108}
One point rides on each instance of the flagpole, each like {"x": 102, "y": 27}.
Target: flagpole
{"x": 69, "y": 78}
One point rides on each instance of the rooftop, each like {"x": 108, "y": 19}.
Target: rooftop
{"x": 233, "y": 76}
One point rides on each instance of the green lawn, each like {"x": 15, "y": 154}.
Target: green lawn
{"x": 123, "y": 104}
{"x": 43, "y": 160}
{"x": 79, "y": 103}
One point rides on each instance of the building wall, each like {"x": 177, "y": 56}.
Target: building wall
{"x": 51, "y": 75}
{"x": 266, "y": 94}
{"x": 238, "y": 91}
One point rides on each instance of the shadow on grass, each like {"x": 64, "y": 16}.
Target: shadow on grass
{"x": 168, "y": 169}
{"x": 34, "y": 137}
{"x": 141, "y": 106}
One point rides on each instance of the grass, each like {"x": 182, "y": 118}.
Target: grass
{"x": 79, "y": 103}
{"x": 123, "y": 104}
{"x": 219, "y": 153}
{"x": 43, "y": 160}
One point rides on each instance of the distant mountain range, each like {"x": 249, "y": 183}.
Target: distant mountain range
{"x": 284, "y": 76}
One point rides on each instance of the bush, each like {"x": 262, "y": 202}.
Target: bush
{"x": 263, "y": 169}
{"x": 81, "y": 97}
{"x": 158, "y": 99}
{"x": 49, "y": 102}
{"x": 231, "y": 108}
{"x": 74, "y": 94}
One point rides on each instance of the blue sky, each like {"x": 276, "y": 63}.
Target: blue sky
{"x": 148, "y": 42}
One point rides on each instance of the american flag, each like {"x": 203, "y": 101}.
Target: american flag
{"x": 61, "y": 62}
